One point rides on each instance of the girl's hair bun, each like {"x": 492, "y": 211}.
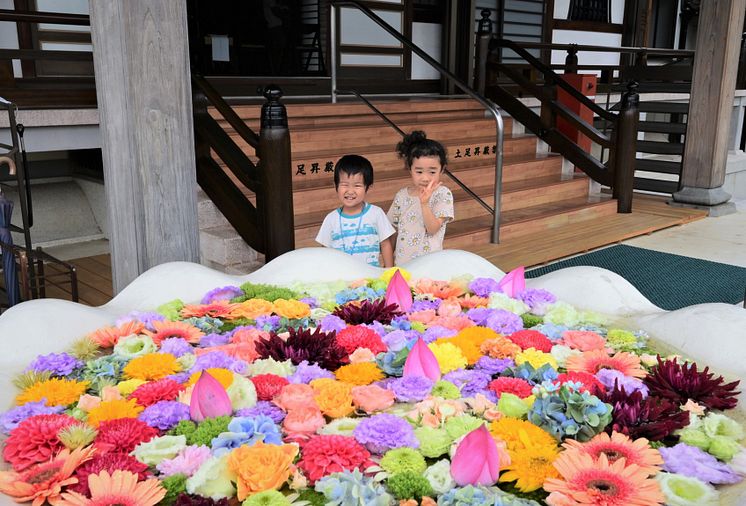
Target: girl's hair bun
{"x": 409, "y": 140}
{"x": 416, "y": 144}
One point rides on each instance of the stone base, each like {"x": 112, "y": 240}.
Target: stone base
{"x": 712, "y": 211}
{"x": 712, "y": 200}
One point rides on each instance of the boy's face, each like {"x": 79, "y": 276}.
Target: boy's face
{"x": 425, "y": 170}
{"x": 351, "y": 192}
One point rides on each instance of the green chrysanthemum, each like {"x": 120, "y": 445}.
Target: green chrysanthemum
{"x": 174, "y": 485}
{"x": 446, "y": 390}
{"x": 208, "y": 430}
{"x": 409, "y": 485}
{"x": 531, "y": 320}
{"x": 458, "y": 426}
{"x": 171, "y": 310}
{"x": 266, "y": 498}
{"x": 402, "y": 460}
{"x": 433, "y": 442}
{"x": 77, "y": 435}
{"x": 84, "y": 349}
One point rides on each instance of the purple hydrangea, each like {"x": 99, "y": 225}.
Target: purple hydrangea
{"x": 691, "y": 461}
{"x": 263, "y": 408}
{"x": 145, "y": 317}
{"x": 399, "y": 339}
{"x": 209, "y": 340}
{"x": 176, "y": 346}
{"x": 436, "y": 332}
{"x": 382, "y": 432}
{"x": 504, "y": 322}
{"x": 424, "y": 305}
{"x": 493, "y": 366}
{"x": 223, "y": 293}
{"x": 306, "y": 373}
{"x": 331, "y": 323}
{"x": 610, "y": 376}
{"x": 411, "y": 388}
{"x": 164, "y": 415}
{"x": 537, "y": 299}
{"x": 268, "y": 323}
{"x": 220, "y": 360}
{"x": 470, "y": 381}
{"x": 59, "y": 364}
{"x": 10, "y": 419}
{"x": 483, "y": 287}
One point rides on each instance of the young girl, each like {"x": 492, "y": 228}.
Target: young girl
{"x": 421, "y": 210}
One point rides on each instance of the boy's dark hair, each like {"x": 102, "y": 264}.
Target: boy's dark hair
{"x": 416, "y": 144}
{"x": 351, "y": 165}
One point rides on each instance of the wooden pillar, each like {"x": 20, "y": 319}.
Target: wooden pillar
{"x": 143, "y": 87}
{"x": 711, "y": 106}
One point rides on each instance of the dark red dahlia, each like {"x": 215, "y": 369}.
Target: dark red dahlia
{"x": 327, "y": 454}
{"x": 164, "y": 389}
{"x": 680, "y": 382}
{"x": 357, "y": 336}
{"x": 122, "y": 435}
{"x": 109, "y": 462}
{"x": 531, "y": 339}
{"x": 589, "y": 381}
{"x": 196, "y": 500}
{"x": 316, "y": 347}
{"x": 652, "y": 418}
{"x": 359, "y": 312}
{"x": 268, "y": 385}
{"x": 35, "y": 440}
{"x": 515, "y": 386}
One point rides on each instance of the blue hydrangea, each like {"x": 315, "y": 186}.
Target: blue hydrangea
{"x": 206, "y": 324}
{"x": 352, "y": 488}
{"x": 534, "y": 376}
{"x": 566, "y": 411}
{"x": 247, "y": 431}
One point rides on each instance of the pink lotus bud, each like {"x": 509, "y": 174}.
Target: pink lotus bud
{"x": 398, "y": 292}
{"x": 477, "y": 459}
{"x": 421, "y": 361}
{"x": 209, "y": 399}
{"x": 514, "y": 282}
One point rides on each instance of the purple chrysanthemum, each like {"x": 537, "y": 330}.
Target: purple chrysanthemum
{"x": 436, "y": 332}
{"x": 209, "y": 340}
{"x": 176, "y": 346}
{"x": 537, "y": 299}
{"x": 220, "y": 360}
{"x": 411, "y": 388}
{"x": 504, "y": 322}
{"x": 306, "y": 373}
{"x": 266, "y": 408}
{"x": 691, "y": 461}
{"x": 223, "y": 293}
{"x": 59, "y": 364}
{"x": 145, "y": 317}
{"x": 331, "y": 323}
{"x": 164, "y": 415}
{"x": 470, "y": 382}
{"x": 483, "y": 287}
{"x": 608, "y": 377}
{"x": 493, "y": 366}
{"x": 10, "y": 419}
{"x": 424, "y": 305}
{"x": 382, "y": 432}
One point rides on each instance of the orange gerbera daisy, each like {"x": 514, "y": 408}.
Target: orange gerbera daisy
{"x": 121, "y": 488}
{"x": 595, "y": 360}
{"x": 597, "y": 482}
{"x": 165, "y": 329}
{"x": 619, "y": 446}
{"x": 219, "y": 309}
{"x": 44, "y": 482}
{"x": 107, "y": 337}
{"x": 472, "y": 301}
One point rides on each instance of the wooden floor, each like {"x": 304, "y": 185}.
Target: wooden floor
{"x": 649, "y": 214}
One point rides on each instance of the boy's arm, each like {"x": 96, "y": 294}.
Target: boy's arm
{"x": 387, "y": 251}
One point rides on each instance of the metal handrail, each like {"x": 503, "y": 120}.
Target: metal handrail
{"x": 488, "y": 104}
{"x": 650, "y": 51}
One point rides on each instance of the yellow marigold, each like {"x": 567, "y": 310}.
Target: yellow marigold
{"x": 530, "y": 466}
{"x": 57, "y": 392}
{"x": 500, "y": 347}
{"x": 535, "y": 358}
{"x": 470, "y": 340}
{"x": 251, "y": 309}
{"x": 361, "y": 373}
{"x": 292, "y": 309}
{"x": 112, "y": 410}
{"x": 334, "y": 398}
{"x": 152, "y": 366}
{"x": 518, "y": 433}
{"x": 224, "y": 376}
{"x": 126, "y": 387}
{"x": 261, "y": 467}
{"x": 449, "y": 356}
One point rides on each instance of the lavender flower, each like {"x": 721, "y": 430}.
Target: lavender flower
{"x": 267, "y": 323}
{"x": 436, "y": 332}
{"x": 504, "y": 322}
{"x": 176, "y": 346}
{"x": 382, "y": 432}
{"x": 10, "y": 419}
{"x": 224, "y": 293}
{"x": 411, "y": 388}
{"x": 691, "y": 461}
{"x": 209, "y": 340}
{"x": 59, "y": 364}
{"x": 187, "y": 462}
{"x": 263, "y": 408}
{"x": 493, "y": 366}
{"x": 424, "y": 305}
{"x": 331, "y": 323}
{"x": 537, "y": 299}
{"x": 145, "y": 317}
{"x": 479, "y": 315}
{"x": 483, "y": 287}
{"x": 610, "y": 376}
{"x": 306, "y": 373}
{"x": 220, "y": 360}
{"x": 165, "y": 415}
{"x": 470, "y": 382}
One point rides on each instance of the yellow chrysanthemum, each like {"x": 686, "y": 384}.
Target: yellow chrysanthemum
{"x": 291, "y": 308}
{"x": 536, "y": 358}
{"x": 152, "y": 366}
{"x": 224, "y": 376}
{"x": 516, "y": 432}
{"x": 389, "y": 273}
{"x": 126, "y": 387}
{"x": 362, "y": 373}
{"x": 530, "y": 466}
{"x": 449, "y": 356}
{"x": 57, "y": 392}
{"x": 470, "y": 340}
{"x": 334, "y": 398}
{"x": 112, "y": 410}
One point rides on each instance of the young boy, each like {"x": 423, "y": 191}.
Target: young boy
{"x": 357, "y": 228}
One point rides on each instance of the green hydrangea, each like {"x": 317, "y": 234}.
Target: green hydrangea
{"x": 433, "y": 442}
{"x": 174, "y": 485}
{"x": 446, "y": 390}
{"x": 266, "y": 292}
{"x": 401, "y": 460}
{"x": 458, "y": 426}
{"x": 623, "y": 340}
{"x": 171, "y": 310}
{"x": 312, "y": 497}
{"x": 409, "y": 485}
{"x": 266, "y": 498}
{"x": 531, "y": 320}
{"x": 229, "y": 325}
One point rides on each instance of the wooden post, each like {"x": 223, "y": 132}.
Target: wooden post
{"x": 548, "y": 116}
{"x": 711, "y": 105}
{"x": 144, "y": 96}
{"x": 484, "y": 34}
{"x": 571, "y": 60}
{"x": 625, "y": 149}
{"x": 275, "y": 173}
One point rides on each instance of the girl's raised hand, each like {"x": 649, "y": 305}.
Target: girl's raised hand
{"x": 427, "y": 192}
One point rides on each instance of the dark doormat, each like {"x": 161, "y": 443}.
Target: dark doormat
{"x": 668, "y": 281}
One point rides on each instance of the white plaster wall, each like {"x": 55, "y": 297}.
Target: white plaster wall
{"x": 561, "y": 9}
{"x": 428, "y": 37}
{"x": 9, "y": 36}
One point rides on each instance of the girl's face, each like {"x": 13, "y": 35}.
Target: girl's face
{"x": 425, "y": 170}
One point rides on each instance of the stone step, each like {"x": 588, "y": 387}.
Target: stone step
{"x": 222, "y": 245}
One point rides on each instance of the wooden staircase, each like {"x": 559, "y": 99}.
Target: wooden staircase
{"x": 536, "y": 195}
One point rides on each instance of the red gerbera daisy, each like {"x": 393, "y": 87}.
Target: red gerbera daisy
{"x": 357, "y": 336}
{"x": 35, "y": 440}
{"x": 516, "y": 386}
{"x": 268, "y": 385}
{"x": 122, "y": 435}
{"x": 107, "y": 462}
{"x": 531, "y": 339}
{"x": 589, "y": 381}
{"x": 164, "y": 389}
{"x": 326, "y": 454}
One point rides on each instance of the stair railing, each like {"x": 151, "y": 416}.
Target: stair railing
{"x": 488, "y": 104}
{"x": 267, "y": 226}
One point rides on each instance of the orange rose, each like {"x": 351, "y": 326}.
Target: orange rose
{"x": 334, "y": 398}
{"x": 304, "y": 420}
{"x": 291, "y": 309}
{"x": 362, "y": 355}
{"x": 294, "y": 396}
{"x": 261, "y": 467}
{"x": 88, "y": 402}
{"x": 449, "y": 307}
{"x": 251, "y": 309}
{"x": 372, "y": 398}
